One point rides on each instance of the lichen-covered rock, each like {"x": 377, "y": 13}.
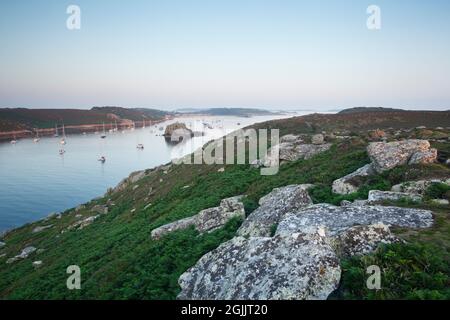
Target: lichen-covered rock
{"x": 299, "y": 266}
{"x": 440, "y": 202}
{"x": 292, "y": 150}
{"x": 206, "y": 220}
{"x": 388, "y": 155}
{"x": 132, "y": 178}
{"x": 425, "y": 157}
{"x": 360, "y": 240}
{"x": 100, "y": 209}
{"x": 23, "y": 255}
{"x": 79, "y": 225}
{"x": 317, "y": 139}
{"x": 376, "y": 196}
{"x": 272, "y": 208}
{"x": 351, "y": 182}
{"x": 41, "y": 228}
{"x": 415, "y": 187}
{"x": 338, "y": 219}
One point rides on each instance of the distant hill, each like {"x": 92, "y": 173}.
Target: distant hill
{"x": 135, "y": 114}
{"x": 367, "y": 109}
{"x": 240, "y": 112}
{"x": 12, "y": 119}
{"x": 359, "y": 121}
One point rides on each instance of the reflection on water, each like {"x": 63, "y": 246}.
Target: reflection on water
{"x": 36, "y": 180}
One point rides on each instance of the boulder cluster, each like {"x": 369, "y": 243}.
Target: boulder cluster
{"x": 385, "y": 156}
{"x": 206, "y": 220}
{"x": 289, "y": 248}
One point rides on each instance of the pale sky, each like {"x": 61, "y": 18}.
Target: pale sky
{"x": 277, "y": 54}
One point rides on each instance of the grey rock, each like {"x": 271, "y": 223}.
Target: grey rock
{"x": 388, "y": 155}
{"x": 299, "y": 266}
{"x": 100, "y": 209}
{"x": 376, "y": 196}
{"x": 317, "y": 139}
{"x": 206, "y": 220}
{"x": 425, "y": 157}
{"x": 79, "y": 225}
{"x": 132, "y": 178}
{"x": 23, "y": 255}
{"x": 351, "y": 182}
{"x": 290, "y": 138}
{"x": 361, "y": 240}
{"x": 273, "y": 207}
{"x": 338, "y": 219}
{"x": 2, "y": 244}
{"x": 292, "y": 151}
{"x": 416, "y": 187}
{"x": 41, "y": 228}
{"x": 440, "y": 202}
{"x": 37, "y": 263}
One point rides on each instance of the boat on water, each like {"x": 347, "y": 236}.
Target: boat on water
{"x": 103, "y": 136}
{"x": 14, "y": 141}
{"x": 140, "y": 146}
{"x": 56, "y": 131}
{"x": 36, "y": 139}
{"x": 62, "y": 151}
{"x": 102, "y": 159}
{"x": 63, "y": 140}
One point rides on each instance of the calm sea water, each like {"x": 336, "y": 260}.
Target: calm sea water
{"x": 36, "y": 180}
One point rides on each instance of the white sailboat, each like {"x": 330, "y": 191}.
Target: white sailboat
{"x": 63, "y": 140}
{"x": 56, "y": 131}
{"x": 103, "y": 136}
{"x": 14, "y": 141}
{"x": 36, "y": 139}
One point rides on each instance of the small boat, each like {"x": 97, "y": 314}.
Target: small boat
{"x": 56, "y": 131}
{"x": 62, "y": 151}
{"x": 63, "y": 140}
{"x": 102, "y": 159}
{"x": 140, "y": 146}
{"x": 103, "y": 136}
{"x": 14, "y": 141}
{"x": 36, "y": 139}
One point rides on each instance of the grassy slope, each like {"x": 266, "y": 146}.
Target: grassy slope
{"x": 119, "y": 260}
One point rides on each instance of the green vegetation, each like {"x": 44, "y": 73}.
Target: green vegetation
{"x": 409, "y": 271}
{"x": 118, "y": 259}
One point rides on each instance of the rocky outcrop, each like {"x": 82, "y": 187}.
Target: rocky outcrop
{"x": 338, "y": 219}
{"x": 318, "y": 139}
{"x": 360, "y": 240}
{"x": 23, "y": 255}
{"x": 2, "y": 244}
{"x": 132, "y": 178}
{"x": 206, "y": 220}
{"x": 417, "y": 187}
{"x": 292, "y": 148}
{"x": 176, "y": 132}
{"x": 388, "y": 155}
{"x": 294, "y": 267}
{"x": 41, "y": 228}
{"x": 376, "y": 196}
{"x": 429, "y": 156}
{"x": 273, "y": 207}
{"x": 79, "y": 225}
{"x": 351, "y": 182}
{"x": 100, "y": 209}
